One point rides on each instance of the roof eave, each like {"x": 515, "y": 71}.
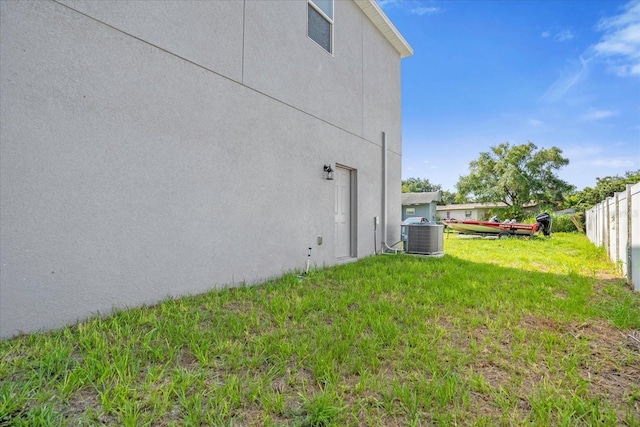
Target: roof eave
{"x": 386, "y": 27}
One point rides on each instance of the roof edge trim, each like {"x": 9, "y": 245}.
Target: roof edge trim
{"x": 386, "y": 27}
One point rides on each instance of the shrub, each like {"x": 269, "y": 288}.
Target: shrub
{"x": 562, "y": 223}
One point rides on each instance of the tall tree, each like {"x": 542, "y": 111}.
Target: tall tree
{"x": 418, "y": 185}
{"x": 605, "y": 187}
{"x": 516, "y": 175}
{"x": 448, "y": 198}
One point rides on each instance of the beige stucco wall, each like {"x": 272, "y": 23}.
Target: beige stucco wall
{"x": 146, "y": 152}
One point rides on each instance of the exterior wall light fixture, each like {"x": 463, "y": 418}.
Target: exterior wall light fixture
{"x": 328, "y": 172}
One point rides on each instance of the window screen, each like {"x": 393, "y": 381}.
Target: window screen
{"x": 320, "y": 22}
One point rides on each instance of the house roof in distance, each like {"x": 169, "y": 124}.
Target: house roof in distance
{"x": 386, "y": 27}
{"x": 471, "y": 206}
{"x": 421, "y": 198}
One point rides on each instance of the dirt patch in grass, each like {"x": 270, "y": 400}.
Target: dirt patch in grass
{"x": 534, "y": 323}
{"x": 611, "y": 367}
{"x": 633, "y": 340}
{"x": 85, "y": 401}
{"x": 609, "y": 363}
{"x": 614, "y": 367}
{"x": 605, "y": 276}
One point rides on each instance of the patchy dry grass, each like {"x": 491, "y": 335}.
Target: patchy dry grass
{"x": 497, "y": 332}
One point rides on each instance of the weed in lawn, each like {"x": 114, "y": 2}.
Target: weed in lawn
{"x": 322, "y": 409}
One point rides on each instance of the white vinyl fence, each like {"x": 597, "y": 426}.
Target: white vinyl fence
{"x": 615, "y": 224}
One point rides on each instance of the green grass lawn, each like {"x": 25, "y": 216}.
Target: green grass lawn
{"x": 497, "y": 332}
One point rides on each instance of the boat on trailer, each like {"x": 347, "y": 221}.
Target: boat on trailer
{"x": 508, "y": 228}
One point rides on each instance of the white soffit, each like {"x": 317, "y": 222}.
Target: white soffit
{"x": 382, "y": 22}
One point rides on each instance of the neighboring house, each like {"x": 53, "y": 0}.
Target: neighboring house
{"x": 478, "y": 211}
{"x": 420, "y": 204}
{"x": 156, "y": 149}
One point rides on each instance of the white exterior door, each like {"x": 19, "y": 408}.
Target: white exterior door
{"x": 343, "y": 213}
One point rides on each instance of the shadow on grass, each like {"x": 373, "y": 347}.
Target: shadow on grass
{"x": 388, "y": 340}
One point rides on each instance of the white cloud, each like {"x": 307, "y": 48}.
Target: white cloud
{"x": 613, "y": 163}
{"x": 598, "y": 115}
{"x": 619, "y": 48}
{"x": 535, "y": 122}
{"x": 583, "y": 151}
{"x": 387, "y": 3}
{"x": 620, "y": 43}
{"x": 564, "y": 36}
{"x": 430, "y": 165}
{"x": 566, "y": 81}
{"x": 560, "y": 36}
{"x": 423, "y": 10}
{"x": 414, "y": 7}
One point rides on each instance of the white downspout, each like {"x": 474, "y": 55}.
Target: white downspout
{"x": 386, "y": 248}
{"x": 384, "y": 187}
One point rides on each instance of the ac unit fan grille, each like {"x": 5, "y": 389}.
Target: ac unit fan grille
{"x": 425, "y": 239}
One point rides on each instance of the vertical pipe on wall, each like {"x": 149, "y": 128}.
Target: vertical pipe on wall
{"x": 384, "y": 187}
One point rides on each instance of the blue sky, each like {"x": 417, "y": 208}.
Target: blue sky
{"x": 556, "y": 73}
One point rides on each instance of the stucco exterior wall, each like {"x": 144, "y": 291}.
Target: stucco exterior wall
{"x": 147, "y": 153}
{"x": 207, "y": 33}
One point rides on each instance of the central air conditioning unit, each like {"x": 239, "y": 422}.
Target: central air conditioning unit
{"x": 425, "y": 239}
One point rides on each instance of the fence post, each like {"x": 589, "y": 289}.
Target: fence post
{"x": 629, "y": 246}
{"x": 617, "y": 229}
{"x": 606, "y": 230}
{"x": 600, "y": 224}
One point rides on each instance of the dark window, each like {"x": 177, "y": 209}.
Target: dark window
{"x": 320, "y": 23}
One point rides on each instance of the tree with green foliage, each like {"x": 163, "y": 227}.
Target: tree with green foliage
{"x": 419, "y": 185}
{"x": 448, "y": 198}
{"x": 605, "y": 187}
{"x": 515, "y": 175}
